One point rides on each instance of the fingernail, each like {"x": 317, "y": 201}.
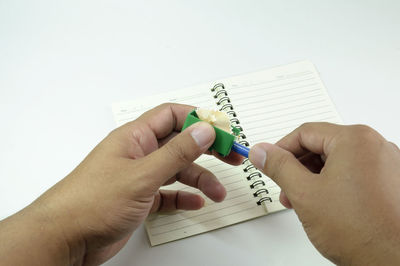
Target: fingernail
{"x": 258, "y": 156}
{"x": 202, "y": 134}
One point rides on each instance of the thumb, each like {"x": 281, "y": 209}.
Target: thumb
{"x": 281, "y": 166}
{"x": 180, "y": 151}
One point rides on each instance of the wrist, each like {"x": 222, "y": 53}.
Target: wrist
{"x": 63, "y": 228}
{"x": 34, "y": 237}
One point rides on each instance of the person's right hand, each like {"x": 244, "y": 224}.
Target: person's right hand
{"x": 344, "y": 184}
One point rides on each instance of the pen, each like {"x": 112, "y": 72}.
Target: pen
{"x": 241, "y": 149}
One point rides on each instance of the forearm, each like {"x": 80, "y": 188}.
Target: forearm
{"x": 31, "y": 237}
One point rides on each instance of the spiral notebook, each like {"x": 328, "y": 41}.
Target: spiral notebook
{"x": 265, "y": 106}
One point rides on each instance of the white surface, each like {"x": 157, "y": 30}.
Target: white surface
{"x": 63, "y": 62}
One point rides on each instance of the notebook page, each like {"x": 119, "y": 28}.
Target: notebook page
{"x": 239, "y": 204}
{"x": 271, "y": 103}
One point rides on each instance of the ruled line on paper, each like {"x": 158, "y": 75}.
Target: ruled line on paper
{"x": 190, "y": 97}
{"x": 187, "y": 220}
{"x": 228, "y": 190}
{"x": 234, "y": 182}
{"x": 206, "y": 210}
{"x": 247, "y": 91}
{"x": 304, "y": 117}
{"x": 188, "y": 102}
{"x": 289, "y": 127}
{"x": 305, "y": 73}
{"x": 234, "y": 189}
{"x": 208, "y": 159}
{"x": 281, "y": 109}
{"x": 303, "y": 103}
{"x": 254, "y": 104}
{"x": 211, "y": 205}
{"x": 282, "y": 92}
{"x": 207, "y": 221}
{"x": 128, "y": 115}
{"x": 225, "y": 177}
{"x": 200, "y": 214}
{"x": 214, "y": 165}
{"x": 198, "y": 104}
{"x": 284, "y": 115}
{"x": 270, "y": 138}
{"x": 279, "y": 136}
{"x": 219, "y": 171}
{"x": 267, "y": 137}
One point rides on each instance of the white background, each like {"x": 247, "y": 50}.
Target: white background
{"x": 62, "y": 63}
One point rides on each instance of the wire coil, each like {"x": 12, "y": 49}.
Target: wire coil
{"x": 254, "y": 176}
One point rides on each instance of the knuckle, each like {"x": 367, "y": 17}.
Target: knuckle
{"x": 165, "y": 105}
{"x": 305, "y": 125}
{"x": 308, "y": 127}
{"x": 176, "y": 152}
{"x": 364, "y": 133}
{"x": 361, "y": 128}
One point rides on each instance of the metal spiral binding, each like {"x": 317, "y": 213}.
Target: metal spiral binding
{"x": 254, "y": 176}
{"x": 239, "y": 127}
{"x": 236, "y": 121}
{"x": 219, "y": 93}
{"x": 248, "y": 168}
{"x": 223, "y": 99}
{"x": 231, "y": 113}
{"x": 257, "y": 183}
{"x": 261, "y": 190}
{"x": 226, "y": 106}
{"x": 218, "y": 86}
{"x": 260, "y": 201}
{"x": 245, "y": 143}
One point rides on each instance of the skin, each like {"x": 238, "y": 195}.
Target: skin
{"x": 342, "y": 181}
{"x": 89, "y": 216}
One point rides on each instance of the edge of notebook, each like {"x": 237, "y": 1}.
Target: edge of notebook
{"x": 327, "y": 92}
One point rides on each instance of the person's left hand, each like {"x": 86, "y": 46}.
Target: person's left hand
{"x": 96, "y": 208}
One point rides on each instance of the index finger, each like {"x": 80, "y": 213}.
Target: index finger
{"x": 166, "y": 118}
{"x": 316, "y": 137}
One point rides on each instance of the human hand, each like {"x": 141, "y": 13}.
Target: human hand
{"x": 90, "y": 215}
{"x": 344, "y": 184}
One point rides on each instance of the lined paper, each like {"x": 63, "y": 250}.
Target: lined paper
{"x": 269, "y": 104}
